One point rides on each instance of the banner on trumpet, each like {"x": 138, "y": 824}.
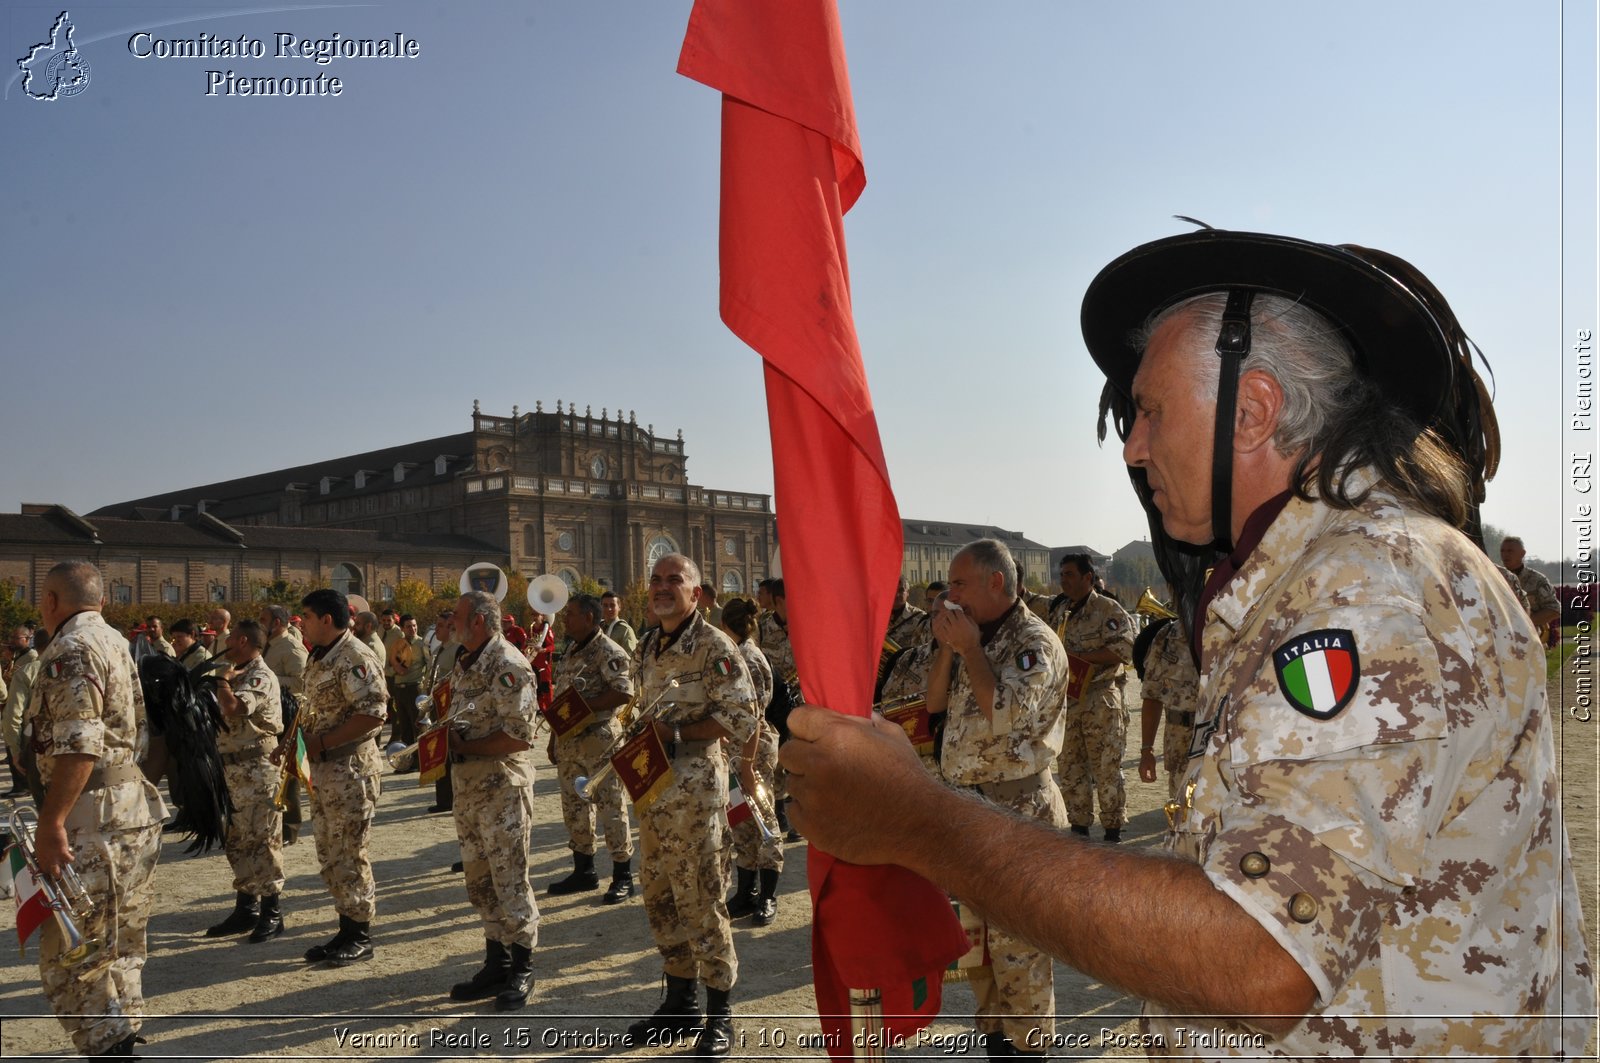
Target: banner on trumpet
{"x": 912, "y": 716}
{"x": 1079, "y": 674}
{"x": 33, "y": 907}
{"x": 644, "y": 768}
{"x": 568, "y": 713}
{"x": 433, "y": 747}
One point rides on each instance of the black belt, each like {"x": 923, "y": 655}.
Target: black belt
{"x": 1180, "y": 719}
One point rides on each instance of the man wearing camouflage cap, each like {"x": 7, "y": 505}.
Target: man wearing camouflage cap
{"x": 1368, "y": 854}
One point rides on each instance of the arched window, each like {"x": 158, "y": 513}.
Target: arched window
{"x": 570, "y": 578}
{"x": 346, "y": 579}
{"x": 732, "y": 582}
{"x": 659, "y": 547}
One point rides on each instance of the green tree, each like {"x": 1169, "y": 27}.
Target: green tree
{"x": 415, "y": 597}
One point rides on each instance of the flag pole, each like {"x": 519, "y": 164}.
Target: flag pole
{"x": 866, "y": 1024}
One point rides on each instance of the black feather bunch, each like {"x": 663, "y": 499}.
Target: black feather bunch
{"x": 183, "y": 711}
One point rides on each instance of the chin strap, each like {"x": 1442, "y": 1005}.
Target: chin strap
{"x": 1233, "y": 345}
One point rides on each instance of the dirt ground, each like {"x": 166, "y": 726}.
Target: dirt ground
{"x": 596, "y": 966}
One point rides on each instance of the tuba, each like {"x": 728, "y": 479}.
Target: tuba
{"x": 65, "y": 896}
{"x": 548, "y": 594}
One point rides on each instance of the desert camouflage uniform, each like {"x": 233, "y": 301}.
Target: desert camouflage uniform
{"x": 1097, "y": 723}
{"x": 23, "y": 671}
{"x": 1171, "y": 679}
{"x": 681, "y": 832}
{"x": 342, "y": 682}
{"x": 86, "y": 700}
{"x": 1406, "y": 847}
{"x": 254, "y": 842}
{"x": 910, "y": 628}
{"x": 494, "y": 794}
{"x": 286, "y": 656}
{"x": 1536, "y": 586}
{"x": 750, "y": 848}
{"x": 1516, "y": 588}
{"x": 1007, "y": 759}
{"x": 769, "y": 631}
{"x": 604, "y": 667}
{"x": 908, "y": 676}
{"x": 1038, "y": 603}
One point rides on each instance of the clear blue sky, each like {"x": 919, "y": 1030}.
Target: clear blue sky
{"x": 202, "y": 287}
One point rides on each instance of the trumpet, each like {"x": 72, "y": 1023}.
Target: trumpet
{"x": 584, "y": 785}
{"x": 280, "y": 800}
{"x": 890, "y": 704}
{"x": 66, "y": 897}
{"x": 1149, "y": 605}
{"x": 761, "y": 809}
{"x": 425, "y": 722}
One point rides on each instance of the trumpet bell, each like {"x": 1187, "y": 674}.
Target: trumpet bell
{"x": 548, "y": 594}
{"x": 1151, "y": 606}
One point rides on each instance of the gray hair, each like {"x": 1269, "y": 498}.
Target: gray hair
{"x": 691, "y": 571}
{"x": 991, "y": 555}
{"x": 1294, "y": 345}
{"x": 278, "y": 613}
{"x": 487, "y": 606}
{"x": 76, "y": 583}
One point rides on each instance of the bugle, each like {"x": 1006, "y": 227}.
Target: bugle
{"x": 425, "y": 722}
{"x": 65, "y": 896}
{"x": 584, "y": 786}
{"x": 280, "y": 800}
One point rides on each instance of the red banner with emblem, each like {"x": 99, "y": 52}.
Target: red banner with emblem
{"x": 1079, "y": 673}
{"x": 913, "y": 718}
{"x": 643, "y": 767}
{"x": 568, "y": 712}
{"x": 433, "y": 751}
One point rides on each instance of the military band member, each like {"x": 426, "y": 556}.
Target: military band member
{"x": 1169, "y": 690}
{"x": 408, "y": 656}
{"x": 1097, "y": 631}
{"x": 1039, "y": 603}
{"x": 601, "y": 672}
{"x": 757, "y": 858}
{"x": 1542, "y": 603}
{"x": 286, "y": 656}
{"x": 681, "y": 832}
{"x": 768, "y": 628}
{"x": 999, "y": 677}
{"x": 786, "y": 687}
{"x": 186, "y": 645}
{"x": 153, "y": 638}
{"x": 86, "y": 723}
{"x": 252, "y": 722}
{"x": 491, "y": 721}
{"x": 343, "y": 710}
{"x": 908, "y": 625}
{"x": 617, "y": 629}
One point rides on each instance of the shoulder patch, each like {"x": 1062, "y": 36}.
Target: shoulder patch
{"x": 616, "y": 663}
{"x": 57, "y": 666}
{"x": 508, "y": 680}
{"x": 1318, "y": 671}
{"x": 361, "y": 672}
{"x": 256, "y": 682}
{"x": 1114, "y": 623}
{"x": 1027, "y": 659}
{"x": 724, "y": 666}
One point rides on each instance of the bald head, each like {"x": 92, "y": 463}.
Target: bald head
{"x": 70, "y": 587}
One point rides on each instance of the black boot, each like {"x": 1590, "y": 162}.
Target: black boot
{"x": 678, "y": 1014}
{"x": 490, "y": 979}
{"x": 716, "y": 1039}
{"x": 767, "y": 901}
{"x": 357, "y": 945}
{"x": 270, "y": 923}
{"x": 1080, "y": 831}
{"x": 998, "y": 1046}
{"x": 242, "y": 919}
{"x": 1113, "y": 835}
{"x": 519, "y": 980}
{"x": 621, "y": 882}
{"x": 743, "y": 899}
{"x": 318, "y": 953}
{"x": 123, "y": 1049}
{"x": 583, "y": 878}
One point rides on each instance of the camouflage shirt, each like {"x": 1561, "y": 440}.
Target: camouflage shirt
{"x": 495, "y": 693}
{"x": 780, "y": 652}
{"x": 1024, "y": 735}
{"x": 1536, "y": 585}
{"x": 346, "y": 681}
{"x": 1372, "y": 778}
{"x": 86, "y": 699}
{"x": 256, "y": 689}
{"x": 713, "y": 683}
{"x": 907, "y": 629}
{"x": 760, "y": 672}
{"x": 286, "y": 656}
{"x": 1169, "y": 672}
{"x": 1098, "y": 624}
{"x": 599, "y": 666}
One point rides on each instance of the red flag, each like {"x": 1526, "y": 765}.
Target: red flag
{"x": 791, "y": 167}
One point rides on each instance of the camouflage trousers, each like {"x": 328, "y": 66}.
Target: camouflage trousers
{"x": 750, "y": 848}
{"x": 342, "y": 807}
{"x": 493, "y": 819}
{"x": 582, "y": 754}
{"x": 683, "y": 875}
{"x": 1016, "y": 994}
{"x": 254, "y": 842}
{"x": 101, "y": 1001}
{"x": 1091, "y": 755}
{"x": 1175, "y": 753}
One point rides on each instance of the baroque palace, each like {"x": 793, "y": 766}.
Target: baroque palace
{"x": 562, "y": 492}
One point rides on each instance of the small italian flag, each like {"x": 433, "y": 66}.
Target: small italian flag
{"x": 738, "y": 807}
{"x": 32, "y": 911}
{"x": 302, "y": 763}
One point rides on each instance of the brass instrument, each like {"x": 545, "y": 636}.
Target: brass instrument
{"x": 425, "y": 722}
{"x": 67, "y": 898}
{"x": 1150, "y": 606}
{"x": 584, "y": 785}
{"x": 761, "y": 810}
{"x": 791, "y": 685}
{"x": 280, "y": 800}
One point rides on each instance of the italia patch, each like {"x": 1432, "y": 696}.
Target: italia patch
{"x": 615, "y": 664}
{"x": 1318, "y": 671}
{"x": 361, "y": 672}
{"x": 56, "y": 668}
{"x": 508, "y": 680}
{"x": 256, "y": 683}
{"x": 724, "y": 666}
{"x": 1026, "y": 660}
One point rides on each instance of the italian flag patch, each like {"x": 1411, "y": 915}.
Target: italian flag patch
{"x": 361, "y": 672}
{"x": 56, "y": 668}
{"x": 508, "y": 680}
{"x": 724, "y": 666}
{"x": 1026, "y": 660}
{"x": 1318, "y": 671}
